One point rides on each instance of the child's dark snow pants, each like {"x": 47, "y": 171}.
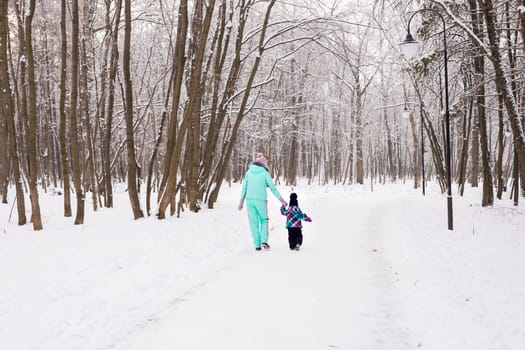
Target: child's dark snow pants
{"x": 295, "y": 236}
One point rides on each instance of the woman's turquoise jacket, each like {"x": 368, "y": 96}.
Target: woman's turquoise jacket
{"x": 255, "y": 182}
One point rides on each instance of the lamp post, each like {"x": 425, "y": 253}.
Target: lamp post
{"x": 410, "y": 48}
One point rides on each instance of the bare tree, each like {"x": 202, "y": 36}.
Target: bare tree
{"x": 31, "y": 132}
{"x": 73, "y": 117}
{"x": 178, "y": 67}
{"x": 91, "y": 167}
{"x": 479, "y": 78}
{"x": 108, "y": 187}
{"x": 130, "y": 139}
{"x": 63, "y": 117}
{"x": 503, "y": 84}
{"x": 7, "y": 95}
{"x": 169, "y": 191}
{"x": 240, "y": 115}
{"x": 4, "y": 146}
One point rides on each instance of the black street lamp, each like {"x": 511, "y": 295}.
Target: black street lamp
{"x": 410, "y": 48}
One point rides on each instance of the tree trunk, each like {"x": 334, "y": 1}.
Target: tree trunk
{"x": 62, "y": 108}
{"x": 467, "y": 121}
{"x": 48, "y": 127}
{"x": 170, "y": 190}
{"x": 476, "y": 25}
{"x": 155, "y": 152}
{"x": 36, "y": 218}
{"x": 217, "y": 113}
{"x": 479, "y": 82}
{"x": 437, "y": 153}
{"x": 21, "y": 87}
{"x": 193, "y": 138}
{"x": 75, "y": 148}
{"x": 522, "y": 23}
{"x": 359, "y": 170}
{"x": 501, "y": 148}
{"x": 179, "y": 60}
{"x": 515, "y": 193}
{"x": 291, "y": 164}
{"x": 100, "y": 116}
{"x": 488, "y": 190}
{"x": 503, "y": 84}
{"x": 113, "y": 67}
{"x": 219, "y": 110}
{"x": 90, "y": 181}
{"x": 4, "y": 145}
{"x": 474, "y": 154}
{"x": 7, "y": 94}
{"x": 416, "y": 156}
{"x": 390, "y": 148}
{"x": 130, "y": 139}
{"x": 220, "y": 177}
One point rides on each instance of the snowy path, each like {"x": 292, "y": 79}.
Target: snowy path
{"x": 336, "y": 293}
{"x": 378, "y": 270}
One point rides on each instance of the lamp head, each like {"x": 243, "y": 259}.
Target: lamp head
{"x": 410, "y": 46}
{"x": 406, "y": 113}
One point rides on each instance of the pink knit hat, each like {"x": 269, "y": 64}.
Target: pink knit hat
{"x": 261, "y": 160}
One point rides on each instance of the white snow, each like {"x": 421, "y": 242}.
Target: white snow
{"x": 378, "y": 270}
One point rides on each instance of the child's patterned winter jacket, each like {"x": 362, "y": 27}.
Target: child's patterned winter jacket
{"x": 294, "y": 216}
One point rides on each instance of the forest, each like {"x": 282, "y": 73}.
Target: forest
{"x": 173, "y": 99}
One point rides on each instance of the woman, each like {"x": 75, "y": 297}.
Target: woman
{"x": 256, "y": 180}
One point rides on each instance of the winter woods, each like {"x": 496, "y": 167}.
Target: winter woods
{"x": 174, "y": 98}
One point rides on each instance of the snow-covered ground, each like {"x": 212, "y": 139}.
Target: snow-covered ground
{"x": 378, "y": 270}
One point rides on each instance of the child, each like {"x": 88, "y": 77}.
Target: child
{"x": 294, "y": 216}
